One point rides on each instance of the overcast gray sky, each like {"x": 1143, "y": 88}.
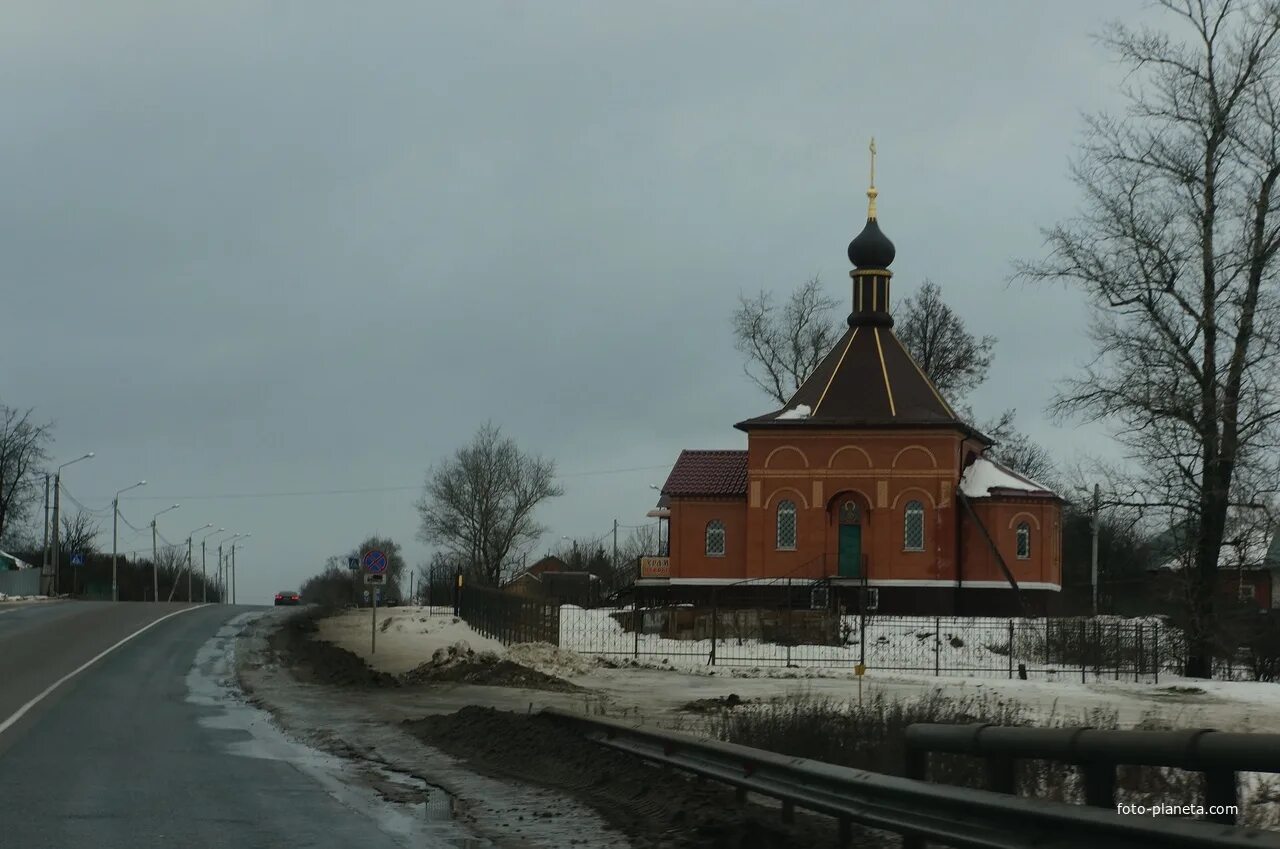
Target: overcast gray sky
{"x": 256, "y": 248}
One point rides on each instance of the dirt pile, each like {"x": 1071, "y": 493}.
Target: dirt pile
{"x": 460, "y": 664}
{"x": 654, "y": 806}
{"x": 728, "y": 702}
{"x": 320, "y": 662}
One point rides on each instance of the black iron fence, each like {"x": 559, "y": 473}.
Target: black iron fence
{"x": 510, "y": 618}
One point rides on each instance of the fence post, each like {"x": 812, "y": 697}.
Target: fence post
{"x": 715, "y": 615}
{"x": 635, "y": 621}
{"x": 1097, "y": 649}
{"x": 790, "y": 635}
{"x": 1142, "y": 665}
{"x": 1010, "y": 649}
{"x": 1118, "y": 628}
{"x": 1155, "y": 650}
{"x": 937, "y": 646}
{"x": 1084, "y": 659}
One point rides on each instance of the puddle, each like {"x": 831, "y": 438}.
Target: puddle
{"x": 404, "y": 807}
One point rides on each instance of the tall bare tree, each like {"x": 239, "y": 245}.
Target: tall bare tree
{"x": 80, "y": 533}
{"x": 23, "y": 448}
{"x": 1176, "y": 250}
{"x": 955, "y": 360}
{"x": 785, "y": 344}
{"x": 479, "y": 505}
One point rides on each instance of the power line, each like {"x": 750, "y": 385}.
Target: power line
{"x": 360, "y": 490}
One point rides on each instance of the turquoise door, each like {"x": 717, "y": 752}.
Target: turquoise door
{"x": 850, "y": 551}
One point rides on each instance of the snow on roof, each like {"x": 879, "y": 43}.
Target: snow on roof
{"x": 800, "y": 411}
{"x": 983, "y": 476}
{"x": 12, "y": 561}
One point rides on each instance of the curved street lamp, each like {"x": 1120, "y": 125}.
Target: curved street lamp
{"x": 57, "y": 502}
{"x": 155, "y": 557}
{"x": 115, "y": 535}
{"x": 204, "y": 578}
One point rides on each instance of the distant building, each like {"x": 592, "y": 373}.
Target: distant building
{"x": 867, "y": 480}
{"x": 1248, "y": 566}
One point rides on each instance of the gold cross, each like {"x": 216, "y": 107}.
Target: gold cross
{"x": 873, "y": 161}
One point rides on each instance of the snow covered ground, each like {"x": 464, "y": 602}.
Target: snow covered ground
{"x": 914, "y": 645}
{"x": 658, "y": 688}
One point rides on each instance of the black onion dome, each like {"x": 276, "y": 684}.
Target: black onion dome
{"x": 871, "y": 248}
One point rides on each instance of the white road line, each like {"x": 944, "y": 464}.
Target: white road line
{"x": 22, "y": 711}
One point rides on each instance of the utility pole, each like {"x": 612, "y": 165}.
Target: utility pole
{"x": 115, "y": 541}
{"x": 233, "y": 573}
{"x": 204, "y": 576}
{"x": 615, "y": 546}
{"x": 155, "y": 565}
{"x": 53, "y": 549}
{"x": 188, "y": 570}
{"x": 44, "y": 548}
{"x": 222, "y": 596}
{"x": 1097, "y": 500}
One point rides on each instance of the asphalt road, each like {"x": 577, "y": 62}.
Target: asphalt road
{"x": 145, "y": 748}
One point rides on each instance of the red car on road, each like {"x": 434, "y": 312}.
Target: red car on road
{"x": 287, "y": 597}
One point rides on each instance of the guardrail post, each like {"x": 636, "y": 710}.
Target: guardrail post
{"x": 1220, "y": 789}
{"x": 1099, "y": 784}
{"x": 846, "y": 832}
{"x": 999, "y": 774}
{"x": 788, "y": 811}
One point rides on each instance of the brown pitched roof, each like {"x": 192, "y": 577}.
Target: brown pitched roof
{"x": 708, "y": 473}
{"x": 870, "y": 380}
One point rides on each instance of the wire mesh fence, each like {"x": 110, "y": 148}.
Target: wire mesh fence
{"x": 807, "y": 627}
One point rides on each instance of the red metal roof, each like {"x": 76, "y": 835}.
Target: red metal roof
{"x": 708, "y": 473}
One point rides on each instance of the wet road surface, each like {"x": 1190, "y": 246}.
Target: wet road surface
{"x": 150, "y": 745}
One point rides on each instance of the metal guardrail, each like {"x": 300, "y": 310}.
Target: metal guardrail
{"x": 1217, "y": 754}
{"x": 954, "y": 816}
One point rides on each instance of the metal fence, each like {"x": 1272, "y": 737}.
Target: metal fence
{"x": 510, "y": 618}
{"x": 1053, "y": 649}
{"x": 20, "y": 582}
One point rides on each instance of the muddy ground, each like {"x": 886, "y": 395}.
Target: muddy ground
{"x": 546, "y": 786}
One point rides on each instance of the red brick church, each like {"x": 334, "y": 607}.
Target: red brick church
{"x": 866, "y": 480}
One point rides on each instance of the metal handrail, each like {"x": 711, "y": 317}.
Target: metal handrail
{"x": 956, "y": 816}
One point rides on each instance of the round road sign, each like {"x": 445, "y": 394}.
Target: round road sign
{"x": 374, "y": 561}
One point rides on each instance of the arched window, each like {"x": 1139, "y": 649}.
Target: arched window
{"x": 786, "y": 525}
{"x": 715, "y": 538}
{"x": 1024, "y": 541}
{"x": 913, "y": 527}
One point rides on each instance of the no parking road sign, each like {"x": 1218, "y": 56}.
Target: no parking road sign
{"x": 375, "y": 562}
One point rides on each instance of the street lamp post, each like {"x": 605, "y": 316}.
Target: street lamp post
{"x": 115, "y": 536}
{"x": 155, "y": 556}
{"x": 233, "y": 564}
{"x": 189, "y": 536}
{"x": 57, "y": 488}
{"x": 222, "y": 586}
{"x": 204, "y": 575}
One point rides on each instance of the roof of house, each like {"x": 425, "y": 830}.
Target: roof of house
{"x": 550, "y": 563}
{"x": 708, "y": 473}
{"x": 867, "y": 380}
{"x": 986, "y": 479}
{"x": 12, "y": 561}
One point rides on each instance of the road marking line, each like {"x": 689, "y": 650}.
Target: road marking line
{"x": 22, "y": 711}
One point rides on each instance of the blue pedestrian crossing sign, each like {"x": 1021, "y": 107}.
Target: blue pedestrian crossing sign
{"x": 353, "y": 563}
{"x": 77, "y": 559}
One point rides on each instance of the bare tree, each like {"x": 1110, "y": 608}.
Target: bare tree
{"x": 23, "y": 448}
{"x": 1015, "y": 449}
{"x": 955, "y": 360}
{"x": 1176, "y": 250}
{"x": 80, "y": 533}
{"x": 784, "y": 346}
{"x": 479, "y": 505}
